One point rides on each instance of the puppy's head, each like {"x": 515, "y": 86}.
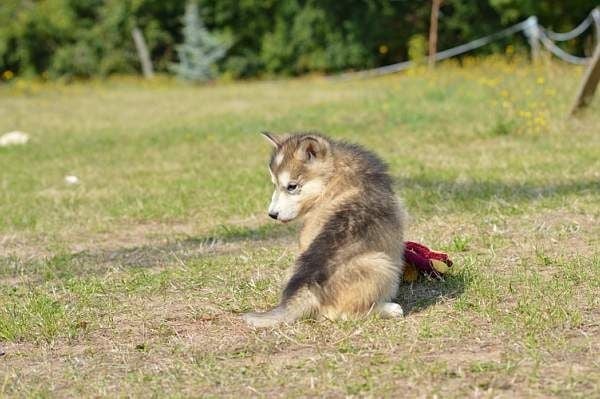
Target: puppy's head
{"x": 300, "y": 168}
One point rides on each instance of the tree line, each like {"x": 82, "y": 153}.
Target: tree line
{"x": 87, "y": 38}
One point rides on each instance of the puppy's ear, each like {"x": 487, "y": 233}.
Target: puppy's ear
{"x": 275, "y": 141}
{"x": 312, "y": 147}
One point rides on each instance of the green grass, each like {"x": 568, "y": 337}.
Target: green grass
{"x": 131, "y": 283}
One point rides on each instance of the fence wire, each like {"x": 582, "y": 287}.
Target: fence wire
{"x": 529, "y": 27}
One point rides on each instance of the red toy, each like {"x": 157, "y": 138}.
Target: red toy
{"x": 419, "y": 258}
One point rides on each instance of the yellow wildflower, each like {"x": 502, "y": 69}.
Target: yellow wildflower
{"x": 525, "y": 114}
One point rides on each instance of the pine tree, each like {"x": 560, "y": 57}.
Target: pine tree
{"x": 200, "y": 49}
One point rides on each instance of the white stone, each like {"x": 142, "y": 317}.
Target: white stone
{"x": 13, "y": 138}
{"x": 71, "y": 180}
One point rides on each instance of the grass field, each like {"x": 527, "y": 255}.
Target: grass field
{"x": 131, "y": 283}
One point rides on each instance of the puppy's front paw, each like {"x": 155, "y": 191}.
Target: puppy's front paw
{"x": 390, "y": 310}
{"x": 261, "y": 320}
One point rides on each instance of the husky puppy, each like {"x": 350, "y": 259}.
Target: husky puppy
{"x": 351, "y": 238}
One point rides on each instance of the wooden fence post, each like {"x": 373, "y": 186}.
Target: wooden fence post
{"x": 433, "y": 31}
{"x": 532, "y": 31}
{"x": 589, "y": 83}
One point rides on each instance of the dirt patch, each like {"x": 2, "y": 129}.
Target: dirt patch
{"x": 25, "y": 247}
{"x": 542, "y": 237}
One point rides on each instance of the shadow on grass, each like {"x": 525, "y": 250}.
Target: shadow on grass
{"x": 418, "y": 296}
{"x": 438, "y": 189}
{"x": 222, "y": 241}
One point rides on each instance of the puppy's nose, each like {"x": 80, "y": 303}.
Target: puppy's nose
{"x": 273, "y": 215}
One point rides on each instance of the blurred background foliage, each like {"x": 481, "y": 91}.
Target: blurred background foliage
{"x": 86, "y": 38}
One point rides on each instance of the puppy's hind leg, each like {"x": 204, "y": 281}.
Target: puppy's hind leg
{"x": 303, "y": 303}
{"x": 389, "y": 310}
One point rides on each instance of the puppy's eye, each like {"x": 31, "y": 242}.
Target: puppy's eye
{"x": 292, "y": 187}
